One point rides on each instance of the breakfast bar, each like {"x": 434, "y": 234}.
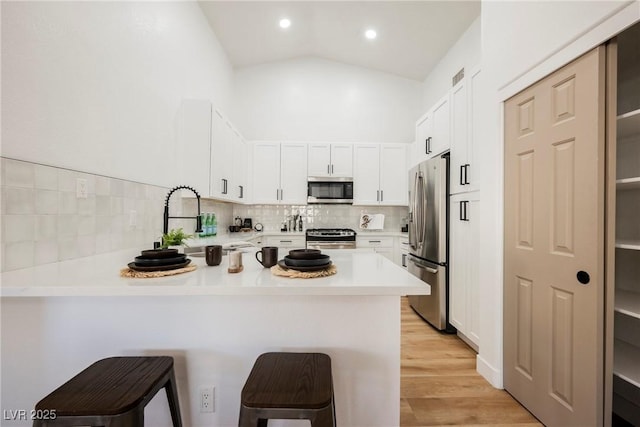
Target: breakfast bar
{"x": 60, "y": 317}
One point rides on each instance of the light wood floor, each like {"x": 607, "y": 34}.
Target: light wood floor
{"x": 439, "y": 384}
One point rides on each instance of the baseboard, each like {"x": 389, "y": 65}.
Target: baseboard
{"x": 491, "y": 374}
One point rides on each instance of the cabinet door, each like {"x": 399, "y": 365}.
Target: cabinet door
{"x": 221, "y": 143}
{"x": 238, "y": 184}
{"x": 195, "y": 137}
{"x": 441, "y": 127}
{"x": 463, "y": 265}
{"x": 366, "y": 174}
{"x": 424, "y": 131}
{"x": 342, "y": 160}
{"x": 319, "y": 159}
{"x": 459, "y": 134}
{"x": 473, "y": 141}
{"x": 266, "y": 173}
{"x": 393, "y": 175}
{"x": 293, "y": 173}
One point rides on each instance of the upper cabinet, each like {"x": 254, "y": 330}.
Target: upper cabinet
{"x": 465, "y": 99}
{"x": 433, "y": 132}
{"x": 330, "y": 160}
{"x": 214, "y": 159}
{"x": 379, "y": 174}
{"x": 279, "y": 173}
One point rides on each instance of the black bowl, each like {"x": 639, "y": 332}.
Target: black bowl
{"x": 144, "y": 261}
{"x": 321, "y": 260}
{"x": 305, "y": 254}
{"x": 159, "y": 253}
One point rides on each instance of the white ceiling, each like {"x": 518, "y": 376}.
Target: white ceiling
{"x": 412, "y": 35}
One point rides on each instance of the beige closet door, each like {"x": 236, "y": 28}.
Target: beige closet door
{"x": 554, "y": 244}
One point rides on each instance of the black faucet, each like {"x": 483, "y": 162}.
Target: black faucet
{"x": 198, "y": 218}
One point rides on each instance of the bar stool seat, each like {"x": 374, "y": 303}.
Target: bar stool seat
{"x": 111, "y": 392}
{"x": 289, "y": 386}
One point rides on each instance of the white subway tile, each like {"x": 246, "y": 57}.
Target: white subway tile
{"x": 19, "y": 200}
{"x": 46, "y": 177}
{"x": 67, "y": 180}
{"x": 19, "y": 255}
{"x": 46, "y": 227}
{"x": 18, "y": 174}
{"x": 18, "y": 228}
{"x": 86, "y": 245}
{"x": 67, "y": 248}
{"x": 103, "y": 186}
{"x": 46, "y": 202}
{"x": 67, "y": 226}
{"x": 87, "y": 206}
{"x": 86, "y": 225}
{"x": 46, "y": 251}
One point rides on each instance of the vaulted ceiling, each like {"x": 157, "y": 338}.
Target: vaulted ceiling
{"x": 412, "y": 36}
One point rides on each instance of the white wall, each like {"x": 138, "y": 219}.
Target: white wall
{"x": 466, "y": 53}
{"x": 522, "y": 42}
{"x": 95, "y": 86}
{"x": 312, "y": 99}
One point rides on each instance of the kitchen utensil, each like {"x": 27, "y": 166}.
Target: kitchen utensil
{"x": 323, "y": 260}
{"x": 235, "y": 262}
{"x": 304, "y": 253}
{"x": 283, "y": 265}
{"x": 213, "y": 255}
{"x": 133, "y": 266}
{"x": 269, "y": 255}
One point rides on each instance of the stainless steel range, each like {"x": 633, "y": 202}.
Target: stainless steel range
{"x": 331, "y": 238}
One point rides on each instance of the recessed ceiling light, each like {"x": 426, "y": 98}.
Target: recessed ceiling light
{"x": 370, "y": 34}
{"x": 285, "y": 23}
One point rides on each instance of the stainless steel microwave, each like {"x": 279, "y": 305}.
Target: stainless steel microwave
{"x": 329, "y": 190}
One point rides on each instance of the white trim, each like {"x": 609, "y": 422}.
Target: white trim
{"x": 597, "y": 34}
{"x": 491, "y": 374}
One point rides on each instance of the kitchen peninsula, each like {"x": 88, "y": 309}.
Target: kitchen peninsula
{"x": 58, "y": 318}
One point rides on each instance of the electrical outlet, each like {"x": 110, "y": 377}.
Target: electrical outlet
{"x": 207, "y": 399}
{"x": 81, "y": 188}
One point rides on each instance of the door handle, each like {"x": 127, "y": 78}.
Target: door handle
{"x": 583, "y": 277}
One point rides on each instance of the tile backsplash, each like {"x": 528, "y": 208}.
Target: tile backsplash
{"x": 43, "y": 220}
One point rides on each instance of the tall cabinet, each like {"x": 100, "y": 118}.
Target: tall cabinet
{"x": 626, "y": 322}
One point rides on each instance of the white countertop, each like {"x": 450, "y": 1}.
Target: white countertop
{"x": 358, "y": 273}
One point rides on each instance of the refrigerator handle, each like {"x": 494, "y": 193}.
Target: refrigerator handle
{"x": 424, "y": 267}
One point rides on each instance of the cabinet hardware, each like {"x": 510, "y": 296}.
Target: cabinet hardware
{"x": 375, "y": 241}
{"x": 463, "y": 210}
{"x": 328, "y": 170}
{"x": 382, "y": 195}
{"x": 331, "y": 169}
{"x": 286, "y": 241}
{"x": 466, "y": 173}
{"x": 277, "y": 194}
{"x": 224, "y": 186}
{"x": 404, "y": 260}
{"x": 377, "y": 195}
{"x": 461, "y": 174}
{"x": 241, "y": 191}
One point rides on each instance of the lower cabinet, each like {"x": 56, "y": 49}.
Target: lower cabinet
{"x": 382, "y": 245}
{"x": 402, "y": 251}
{"x": 285, "y": 242}
{"x": 463, "y": 266}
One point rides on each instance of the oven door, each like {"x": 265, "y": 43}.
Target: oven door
{"x": 330, "y": 245}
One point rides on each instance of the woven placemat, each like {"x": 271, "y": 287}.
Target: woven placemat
{"x": 285, "y": 272}
{"x": 127, "y": 272}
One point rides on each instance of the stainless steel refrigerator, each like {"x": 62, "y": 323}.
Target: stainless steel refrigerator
{"x": 429, "y": 238}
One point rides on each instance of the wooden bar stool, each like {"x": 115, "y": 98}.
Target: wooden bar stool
{"x": 289, "y": 386}
{"x": 111, "y": 392}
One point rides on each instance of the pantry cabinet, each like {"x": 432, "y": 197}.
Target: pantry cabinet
{"x": 279, "y": 173}
{"x": 626, "y": 342}
{"x": 463, "y": 266}
{"x": 330, "y": 160}
{"x": 465, "y": 109}
{"x": 379, "y": 175}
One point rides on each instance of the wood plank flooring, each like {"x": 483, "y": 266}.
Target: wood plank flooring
{"x": 439, "y": 384}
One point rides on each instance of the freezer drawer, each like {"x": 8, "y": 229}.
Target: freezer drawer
{"x": 432, "y": 308}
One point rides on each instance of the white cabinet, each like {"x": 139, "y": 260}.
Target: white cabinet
{"x": 330, "y": 160}
{"x": 214, "y": 159}
{"x": 380, "y": 174}
{"x": 286, "y": 242}
{"x": 279, "y": 173}
{"x": 465, "y": 110}
{"x": 402, "y": 251}
{"x": 381, "y": 245}
{"x": 463, "y": 266}
{"x": 423, "y": 139}
{"x": 441, "y": 127}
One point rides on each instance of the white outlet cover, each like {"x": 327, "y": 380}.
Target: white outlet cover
{"x": 81, "y": 188}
